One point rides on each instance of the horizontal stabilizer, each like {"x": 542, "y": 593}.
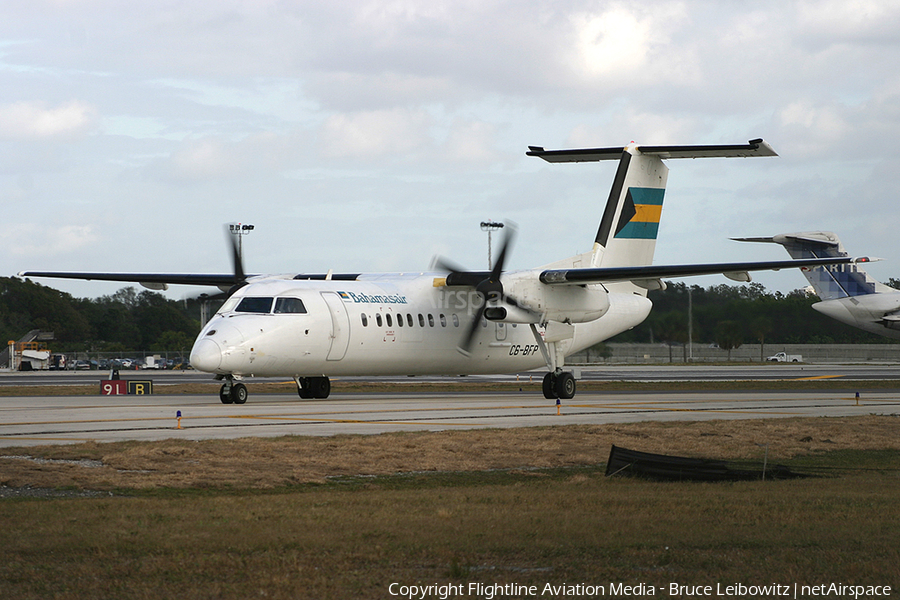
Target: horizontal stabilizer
{"x": 756, "y": 147}
{"x": 822, "y": 238}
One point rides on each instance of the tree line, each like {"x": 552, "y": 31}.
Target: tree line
{"x": 731, "y": 315}
{"x": 124, "y": 321}
{"x": 728, "y": 315}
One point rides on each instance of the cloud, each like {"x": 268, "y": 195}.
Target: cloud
{"x": 215, "y": 158}
{"x": 375, "y": 133}
{"x": 27, "y": 121}
{"x": 35, "y": 240}
{"x": 841, "y": 21}
{"x": 624, "y": 45}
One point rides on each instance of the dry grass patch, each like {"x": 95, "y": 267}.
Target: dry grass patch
{"x": 262, "y": 463}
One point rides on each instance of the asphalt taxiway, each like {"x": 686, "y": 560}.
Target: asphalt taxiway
{"x": 29, "y": 421}
{"x": 655, "y": 372}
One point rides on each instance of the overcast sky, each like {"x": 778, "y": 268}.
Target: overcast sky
{"x": 370, "y": 136}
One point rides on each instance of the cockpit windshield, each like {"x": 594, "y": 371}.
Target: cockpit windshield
{"x": 252, "y": 304}
{"x": 263, "y": 305}
{"x": 289, "y": 305}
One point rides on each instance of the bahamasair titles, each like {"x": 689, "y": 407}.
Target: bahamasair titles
{"x": 453, "y": 321}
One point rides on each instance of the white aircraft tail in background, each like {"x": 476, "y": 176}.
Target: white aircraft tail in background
{"x": 848, "y": 293}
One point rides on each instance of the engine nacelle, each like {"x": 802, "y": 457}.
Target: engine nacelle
{"x": 563, "y": 303}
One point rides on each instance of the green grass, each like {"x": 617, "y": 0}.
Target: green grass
{"x": 352, "y": 537}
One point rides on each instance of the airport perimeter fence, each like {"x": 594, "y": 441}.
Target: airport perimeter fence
{"x": 704, "y": 353}
{"x": 620, "y": 353}
{"x": 135, "y": 360}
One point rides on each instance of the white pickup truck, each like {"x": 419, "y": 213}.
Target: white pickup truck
{"x": 784, "y": 357}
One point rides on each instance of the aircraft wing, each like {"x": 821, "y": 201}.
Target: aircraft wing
{"x": 737, "y": 271}
{"x": 149, "y": 280}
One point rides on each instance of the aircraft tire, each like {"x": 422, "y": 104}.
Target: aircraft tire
{"x": 565, "y": 386}
{"x": 239, "y": 393}
{"x": 305, "y": 388}
{"x": 320, "y": 386}
{"x": 549, "y": 387}
{"x": 224, "y": 396}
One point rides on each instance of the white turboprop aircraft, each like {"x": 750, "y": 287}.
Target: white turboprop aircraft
{"x": 454, "y": 322}
{"x": 848, "y": 293}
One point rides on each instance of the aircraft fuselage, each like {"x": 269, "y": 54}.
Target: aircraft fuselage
{"x": 390, "y": 324}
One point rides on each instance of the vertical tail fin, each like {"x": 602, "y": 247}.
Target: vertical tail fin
{"x": 630, "y": 222}
{"x": 830, "y": 282}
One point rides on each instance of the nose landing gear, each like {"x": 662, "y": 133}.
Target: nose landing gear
{"x": 233, "y": 393}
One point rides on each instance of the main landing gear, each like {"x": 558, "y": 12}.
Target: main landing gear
{"x": 559, "y": 384}
{"x": 313, "y": 387}
{"x": 233, "y": 393}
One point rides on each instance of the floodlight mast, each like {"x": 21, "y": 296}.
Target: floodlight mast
{"x": 490, "y": 226}
{"x": 240, "y": 230}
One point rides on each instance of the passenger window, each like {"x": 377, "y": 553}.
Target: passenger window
{"x": 378, "y": 319}
{"x": 409, "y": 319}
{"x": 388, "y": 318}
{"x": 421, "y": 320}
{"x": 430, "y": 320}
{"x": 289, "y": 305}
{"x": 399, "y": 320}
{"x": 365, "y": 321}
{"x": 455, "y": 320}
{"x": 443, "y": 321}
{"x": 255, "y": 305}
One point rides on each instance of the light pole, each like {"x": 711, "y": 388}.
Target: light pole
{"x": 490, "y": 226}
{"x": 240, "y": 230}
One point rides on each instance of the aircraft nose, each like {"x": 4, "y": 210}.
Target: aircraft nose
{"x": 206, "y": 355}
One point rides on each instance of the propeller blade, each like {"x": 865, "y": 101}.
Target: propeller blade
{"x": 508, "y": 237}
{"x": 457, "y": 275}
{"x": 237, "y": 262}
{"x": 441, "y": 264}
{"x": 465, "y": 347}
{"x": 486, "y": 283}
{"x": 513, "y": 301}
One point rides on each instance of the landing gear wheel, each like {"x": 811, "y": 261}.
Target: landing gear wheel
{"x": 320, "y": 386}
{"x": 303, "y": 389}
{"x": 565, "y": 386}
{"x": 225, "y": 394}
{"x": 549, "y": 386}
{"x": 239, "y": 393}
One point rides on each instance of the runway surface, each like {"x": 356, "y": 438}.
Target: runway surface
{"x": 656, "y": 372}
{"x": 29, "y": 421}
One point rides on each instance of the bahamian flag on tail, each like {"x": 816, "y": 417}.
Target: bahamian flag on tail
{"x": 640, "y": 214}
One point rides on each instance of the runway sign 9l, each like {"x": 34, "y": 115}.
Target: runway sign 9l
{"x": 121, "y": 387}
